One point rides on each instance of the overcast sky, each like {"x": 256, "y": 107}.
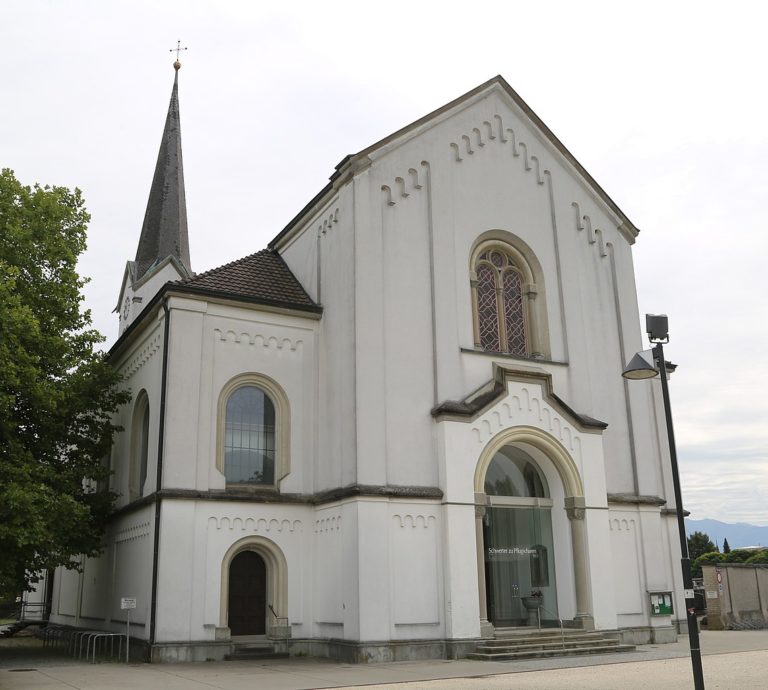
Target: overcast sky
{"x": 665, "y": 104}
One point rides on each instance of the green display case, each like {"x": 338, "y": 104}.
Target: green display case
{"x": 661, "y": 603}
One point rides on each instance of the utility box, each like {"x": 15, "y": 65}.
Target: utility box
{"x": 661, "y": 603}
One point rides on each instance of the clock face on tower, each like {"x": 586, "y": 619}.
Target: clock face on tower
{"x": 126, "y": 308}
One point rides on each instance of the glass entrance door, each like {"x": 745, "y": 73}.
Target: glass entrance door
{"x": 519, "y": 565}
{"x": 517, "y": 537}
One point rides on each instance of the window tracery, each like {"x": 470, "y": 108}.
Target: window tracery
{"x": 505, "y": 283}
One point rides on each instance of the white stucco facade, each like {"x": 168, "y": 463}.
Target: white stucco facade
{"x": 389, "y": 414}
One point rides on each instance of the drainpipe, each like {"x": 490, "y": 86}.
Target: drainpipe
{"x": 159, "y": 484}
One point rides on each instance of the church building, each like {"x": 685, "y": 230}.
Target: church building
{"x": 399, "y": 428}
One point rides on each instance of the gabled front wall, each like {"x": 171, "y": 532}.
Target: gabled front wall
{"x": 420, "y": 205}
{"x": 451, "y": 182}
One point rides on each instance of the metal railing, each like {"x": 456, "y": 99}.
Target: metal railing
{"x": 84, "y": 642}
{"x": 541, "y": 606}
{"x": 281, "y": 621}
{"x": 560, "y": 620}
{"x": 33, "y": 611}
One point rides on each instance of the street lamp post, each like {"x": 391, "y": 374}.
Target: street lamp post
{"x": 641, "y": 368}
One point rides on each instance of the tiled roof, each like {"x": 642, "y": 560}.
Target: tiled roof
{"x": 262, "y": 277}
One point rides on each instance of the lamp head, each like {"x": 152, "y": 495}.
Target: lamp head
{"x": 641, "y": 366}
{"x": 657, "y": 328}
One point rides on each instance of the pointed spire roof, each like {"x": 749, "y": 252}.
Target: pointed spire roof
{"x": 164, "y": 232}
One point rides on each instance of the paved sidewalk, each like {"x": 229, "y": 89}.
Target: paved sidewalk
{"x": 732, "y": 660}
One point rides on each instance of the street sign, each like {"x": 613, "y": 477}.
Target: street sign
{"x": 127, "y": 603}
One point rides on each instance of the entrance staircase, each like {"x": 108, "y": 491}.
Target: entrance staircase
{"x": 511, "y": 644}
{"x": 254, "y": 651}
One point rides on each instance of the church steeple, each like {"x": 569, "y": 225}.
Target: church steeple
{"x": 164, "y": 232}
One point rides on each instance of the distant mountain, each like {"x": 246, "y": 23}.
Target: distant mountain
{"x": 738, "y": 533}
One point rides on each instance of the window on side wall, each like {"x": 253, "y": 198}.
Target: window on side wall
{"x": 249, "y": 437}
{"x": 139, "y": 447}
{"x": 253, "y": 432}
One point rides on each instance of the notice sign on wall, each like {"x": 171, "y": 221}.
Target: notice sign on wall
{"x": 661, "y": 603}
{"x": 128, "y": 603}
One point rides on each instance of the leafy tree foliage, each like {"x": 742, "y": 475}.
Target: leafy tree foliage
{"x": 57, "y": 394}
{"x": 758, "y": 557}
{"x": 699, "y": 543}
{"x": 738, "y": 556}
{"x": 706, "y": 559}
{"x": 726, "y": 546}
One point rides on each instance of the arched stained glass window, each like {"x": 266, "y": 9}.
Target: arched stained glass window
{"x": 249, "y": 437}
{"x": 500, "y": 310}
{"x": 487, "y": 307}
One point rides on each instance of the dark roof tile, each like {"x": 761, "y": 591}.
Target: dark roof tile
{"x": 261, "y": 277}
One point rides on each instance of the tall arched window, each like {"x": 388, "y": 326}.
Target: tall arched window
{"x": 501, "y": 317}
{"x": 254, "y": 432}
{"x": 139, "y": 447}
{"x": 249, "y": 437}
{"x": 508, "y": 317}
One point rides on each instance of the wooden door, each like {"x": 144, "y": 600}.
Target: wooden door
{"x": 247, "y": 594}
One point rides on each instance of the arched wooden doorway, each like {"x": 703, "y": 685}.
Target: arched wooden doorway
{"x": 247, "y": 602}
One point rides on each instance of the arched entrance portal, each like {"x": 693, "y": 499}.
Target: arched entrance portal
{"x": 247, "y": 603}
{"x": 260, "y": 583}
{"x": 540, "y": 442}
{"x": 518, "y": 556}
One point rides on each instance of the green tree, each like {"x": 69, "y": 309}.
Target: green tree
{"x": 759, "y": 557}
{"x": 706, "y": 558}
{"x": 726, "y": 546}
{"x": 57, "y": 394}
{"x": 738, "y": 556}
{"x": 699, "y": 543}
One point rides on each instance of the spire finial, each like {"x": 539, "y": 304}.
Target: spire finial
{"x": 177, "y": 50}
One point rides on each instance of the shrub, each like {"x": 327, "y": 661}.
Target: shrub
{"x": 706, "y": 559}
{"x": 738, "y": 556}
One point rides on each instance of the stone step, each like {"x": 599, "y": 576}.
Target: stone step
{"x": 548, "y": 653}
{"x": 254, "y": 651}
{"x": 529, "y": 632}
{"x": 552, "y": 645}
{"x": 550, "y": 637}
{"x": 255, "y": 656}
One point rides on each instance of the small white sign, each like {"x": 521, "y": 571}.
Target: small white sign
{"x": 711, "y": 594}
{"x": 128, "y": 603}
{"x": 688, "y": 593}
